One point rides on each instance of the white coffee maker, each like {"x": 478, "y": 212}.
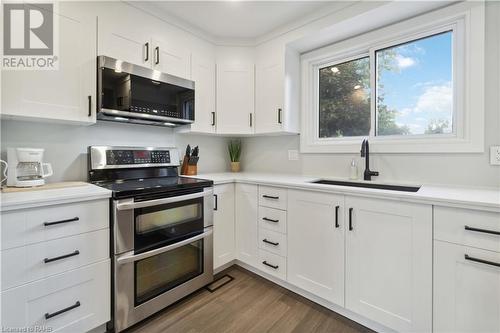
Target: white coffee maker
{"x": 26, "y": 168}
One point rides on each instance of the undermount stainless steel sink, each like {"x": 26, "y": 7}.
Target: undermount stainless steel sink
{"x": 368, "y": 185}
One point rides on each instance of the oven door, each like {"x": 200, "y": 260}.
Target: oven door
{"x": 147, "y": 282}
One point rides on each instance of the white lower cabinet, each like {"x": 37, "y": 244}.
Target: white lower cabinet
{"x": 389, "y": 262}
{"x": 316, "y": 244}
{"x": 466, "y": 292}
{"x": 75, "y": 301}
{"x": 246, "y": 214}
{"x": 224, "y": 243}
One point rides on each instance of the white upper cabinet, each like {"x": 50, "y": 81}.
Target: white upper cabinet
{"x": 316, "y": 244}
{"x": 171, "y": 58}
{"x": 277, "y": 90}
{"x": 66, "y": 94}
{"x": 224, "y": 238}
{"x": 203, "y": 75}
{"x": 389, "y": 262}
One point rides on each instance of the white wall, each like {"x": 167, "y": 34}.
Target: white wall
{"x": 270, "y": 154}
{"x": 66, "y": 146}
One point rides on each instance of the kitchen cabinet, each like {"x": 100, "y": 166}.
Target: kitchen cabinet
{"x": 466, "y": 292}
{"x": 67, "y": 94}
{"x": 316, "y": 244}
{"x": 389, "y": 262}
{"x": 170, "y": 58}
{"x": 224, "y": 237}
{"x": 276, "y": 90}
{"x": 246, "y": 213}
{"x": 203, "y": 75}
{"x": 235, "y": 98}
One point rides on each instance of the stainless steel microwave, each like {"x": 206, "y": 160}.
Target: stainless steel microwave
{"x": 136, "y": 94}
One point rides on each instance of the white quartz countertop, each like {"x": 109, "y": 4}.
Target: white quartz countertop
{"x": 53, "y": 196}
{"x": 457, "y": 196}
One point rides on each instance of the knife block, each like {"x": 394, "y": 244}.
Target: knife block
{"x": 188, "y": 170}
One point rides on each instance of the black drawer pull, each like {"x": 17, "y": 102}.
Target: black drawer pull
{"x": 486, "y": 231}
{"x": 213, "y": 118}
{"x": 350, "y": 219}
{"x": 270, "y": 197}
{"x": 216, "y": 203}
{"x": 72, "y": 254}
{"x": 337, "y": 216}
{"x": 146, "y": 58}
{"x": 50, "y": 315}
{"x": 269, "y": 242}
{"x": 270, "y": 220}
{"x": 482, "y": 261}
{"x": 279, "y": 116}
{"x": 74, "y": 219}
{"x": 268, "y": 264}
{"x": 90, "y": 105}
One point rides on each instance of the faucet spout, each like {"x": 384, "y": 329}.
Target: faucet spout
{"x": 365, "y": 152}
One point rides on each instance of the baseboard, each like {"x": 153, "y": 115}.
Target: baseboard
{"x": 225, "y": 266}
{"x": 318, "y": 300}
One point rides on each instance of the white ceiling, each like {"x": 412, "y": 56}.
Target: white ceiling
{"x": 238, "y": 19}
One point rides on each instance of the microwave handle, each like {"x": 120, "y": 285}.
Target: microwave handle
{"x": 131, "y": 257}
{"x": 142, "y": 204}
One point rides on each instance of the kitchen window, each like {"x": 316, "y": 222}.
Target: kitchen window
{"x": 404, "y": 87}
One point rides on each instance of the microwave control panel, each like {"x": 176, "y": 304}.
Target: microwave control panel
{"x": 127, "y": 157}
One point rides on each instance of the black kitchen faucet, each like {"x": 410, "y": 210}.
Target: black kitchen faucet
{"x": 365, "y": 152}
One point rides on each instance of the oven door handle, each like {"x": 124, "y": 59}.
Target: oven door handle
{"x": 133, "y": 205}
{"x": 131, "y": 257}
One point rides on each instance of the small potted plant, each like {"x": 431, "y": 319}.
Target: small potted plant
{"x": 234, "y": 148}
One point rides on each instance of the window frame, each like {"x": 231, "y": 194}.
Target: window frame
{"x": 467, "y": 135}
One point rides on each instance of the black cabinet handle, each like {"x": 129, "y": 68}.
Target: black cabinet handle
{"x": 350, "y": 219}
{"x": 74, "y": 219}
{"x": 90, "y": 105}
{"x": 213, "y": 118}
{"x": 72, "y": 254}
{"x": 337, "y": 216}
{"x": 269, "y": 242}
{"x": 270, "y": 197}
{"x": 147, "y": 51}
{"x": 157, "y": 51}
{"x": 486, "y": 231}
{"x": 482, "y": 261}
{"x": 269, "y": 265}
{"x": 251, "y": 120}
{"x": 50, "y": 315}
{"x": 216, "y": 202}
{"x": 270, "y": 220}
{"x": 279, "y": 116}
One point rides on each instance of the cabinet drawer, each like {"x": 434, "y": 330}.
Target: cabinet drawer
{"x": 468, "y": 227}
{"x": 466, "y": 292}
{"x": 24, "y": 227}
{"x": 84, "y": 293}
{"x": 272, "y": 263}
{"x": 25, "y": 264}
{"x": 272, "y": 197}
{"x": 272, "y": 219}
{"x": 273, "y": 242}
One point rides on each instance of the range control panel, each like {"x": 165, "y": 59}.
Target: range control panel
{"x": 123, "y": 157}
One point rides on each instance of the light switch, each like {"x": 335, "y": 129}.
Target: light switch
{"x": 293, "y": 155}
{"x": 495, "y": 155}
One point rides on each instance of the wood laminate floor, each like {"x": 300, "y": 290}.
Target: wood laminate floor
{"x": 247, "y": 304}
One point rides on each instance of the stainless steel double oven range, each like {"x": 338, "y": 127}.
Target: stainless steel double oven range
{"x": 162, "y": 244}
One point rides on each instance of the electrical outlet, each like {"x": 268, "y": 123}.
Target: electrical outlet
{"x": 293, "y": 155}
{"x": 495, "y": 155}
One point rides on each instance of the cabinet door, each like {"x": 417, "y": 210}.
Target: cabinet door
{"x": 171, "y": 59}
{"x": 269, "y": 97}
{"x": 235, "y": 99}
{"x": 223, "y": 224}
{"x": 316, "y": 244}
{"x": 389, "y": 262}
{"x": 203, "y": 74}
{"x": 466, "y": 292}
{"x": 68, "y": 93}
{"x": 127, "y": 42}
{"x": 246, "y": 223}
